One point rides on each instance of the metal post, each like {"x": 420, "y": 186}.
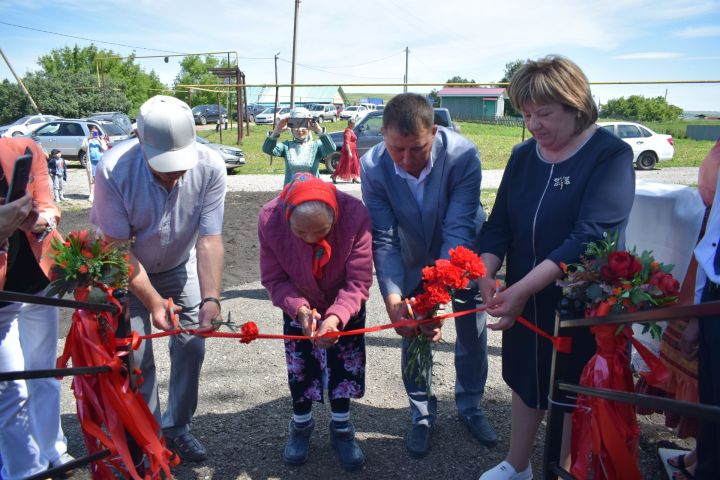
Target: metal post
{"x": 292, "y": 73}
{"x": 219, "y": 121}
{"x": 407, "y": 52}
{"x": 22, "y": 85}
{"x": 277, "y": 91}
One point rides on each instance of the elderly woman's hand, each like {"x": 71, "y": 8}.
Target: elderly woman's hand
{"x": 330, "y": 324}
{"x": 307, "y": 318}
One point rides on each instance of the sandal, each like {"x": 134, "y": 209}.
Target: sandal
{"x": 683, "y": 474}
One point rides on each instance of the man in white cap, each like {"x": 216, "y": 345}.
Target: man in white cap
{"x": 167, "y": 193}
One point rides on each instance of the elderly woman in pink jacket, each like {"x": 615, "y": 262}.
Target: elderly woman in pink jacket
{"x": 316, "y": 263}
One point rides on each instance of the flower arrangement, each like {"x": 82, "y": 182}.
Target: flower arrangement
{"x": 611, "y": 281}
{"x": 439, "y": 283}
{"x": 83, "y": 260}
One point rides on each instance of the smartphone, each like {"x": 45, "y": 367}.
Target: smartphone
{"x": 20, "y": 176}
{"x": 298, "y": 122}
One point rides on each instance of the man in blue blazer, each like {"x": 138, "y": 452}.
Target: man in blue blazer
{"x": 422, "y": 187}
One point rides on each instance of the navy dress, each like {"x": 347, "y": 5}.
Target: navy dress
{"x": 551, "y": 211}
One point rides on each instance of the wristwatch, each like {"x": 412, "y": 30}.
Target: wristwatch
{"x": 211, "y": 299}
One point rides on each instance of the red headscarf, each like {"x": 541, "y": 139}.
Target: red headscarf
{"x": 306, "y": 188}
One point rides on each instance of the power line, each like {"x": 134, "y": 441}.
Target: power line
{"x": 90, "y": 39}
{"x": 361, "y": 64}
{"x": 309, "y": 67}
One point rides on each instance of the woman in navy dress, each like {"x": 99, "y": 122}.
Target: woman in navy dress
{"x": 565, "y": 187}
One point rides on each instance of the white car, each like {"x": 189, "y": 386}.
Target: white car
{"x": 267, "y": 115}
{"x": 648, "y": 147}
{"x": 26, "y": 125}
{"x": 356, "y": 112}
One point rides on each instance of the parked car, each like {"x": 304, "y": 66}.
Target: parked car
{"x": 117, "y": 118}
{"x": 25, "y": 125}
{"x": 648, "y": 147}
{"x": 252, "y": 110}
{"x": 267, "y": 115}
{"x": 322, "y": 112}
{"x": 115, "y": 132}
{"x": 68, "y": 135}
{"x": 368, "y": 134}
{"x": 356, "y": 112}
{"x": 209, "y": 113}
{"x": 232, "y": 156}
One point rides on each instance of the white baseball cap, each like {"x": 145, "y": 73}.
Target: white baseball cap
{"x": 166, "y": 128}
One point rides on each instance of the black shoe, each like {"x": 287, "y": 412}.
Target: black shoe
{"x": 298, "y": 443}
{"x": 187, "y": 446}
{"x": 417, "y": 440}
{"x": 347, "y": 449}
{"x": 480, "y": 428}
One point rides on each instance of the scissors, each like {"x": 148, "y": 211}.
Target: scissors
{"x": 313, "y": 328}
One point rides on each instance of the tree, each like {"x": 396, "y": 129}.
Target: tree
{"x": 12, "y": 102}
{"x": 510, "y": 69}
{"x": 642, "y": 109}
{"x": 196, "y": 71}
{"x": 459, "y": 79}
{"x": 107, "y": 70}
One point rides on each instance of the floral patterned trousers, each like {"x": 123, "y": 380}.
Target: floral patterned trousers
{"x": 340, "y": 369}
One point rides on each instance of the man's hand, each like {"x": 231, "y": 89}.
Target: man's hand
{"x": 13, "y": 214}
{"x": 159, "y": 314}
{"x": 397, "y": 311}
{"x": 307, "y": 318}
{"x": 209, "y": 312}
{"x": 432, "y": 330}
{"x": 329, "y": 324}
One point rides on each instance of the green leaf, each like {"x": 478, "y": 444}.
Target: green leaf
{"x": 637, "y": 296}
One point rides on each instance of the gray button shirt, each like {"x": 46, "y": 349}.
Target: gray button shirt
{"x": 130, "y": 202}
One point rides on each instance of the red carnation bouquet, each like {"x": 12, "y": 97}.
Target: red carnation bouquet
{"x": 611, "y": 281}
{"x": 440, "y": 281}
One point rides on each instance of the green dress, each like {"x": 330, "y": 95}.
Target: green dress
{"x": 300, "y": 156}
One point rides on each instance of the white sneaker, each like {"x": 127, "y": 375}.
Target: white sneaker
{"x": 90, "y": 198}
{"x": 505, "y": 471}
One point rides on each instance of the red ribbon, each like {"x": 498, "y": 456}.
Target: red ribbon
{"x": 605, "y": 434}
{"x": 108, "y": 409}
{"x": 561, "y": 344}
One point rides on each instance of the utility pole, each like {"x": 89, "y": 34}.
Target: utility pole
{"x": 292, "y": 74}
{"x": 277, "y": 92}
{"x": 22, "y": 85}
{"x": 407, "y": 52}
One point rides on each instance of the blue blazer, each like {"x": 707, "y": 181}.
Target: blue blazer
{"x": 407, "y": 238}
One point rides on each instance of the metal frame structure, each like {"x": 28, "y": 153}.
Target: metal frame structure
{"x": 554, "y": 431}
{"x": 123, "y": 331}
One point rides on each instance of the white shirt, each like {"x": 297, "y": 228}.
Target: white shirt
{"x": 706, "y": 248}
{"x": 416, "y": 185}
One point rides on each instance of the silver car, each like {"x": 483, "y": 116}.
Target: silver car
{"x": 232, "y": 156}
{"x": 68, "y": 136}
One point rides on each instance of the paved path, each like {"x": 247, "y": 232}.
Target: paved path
{"x": 77, "y": 188}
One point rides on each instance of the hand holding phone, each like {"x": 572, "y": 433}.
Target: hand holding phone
{"x": 20, "y": 176}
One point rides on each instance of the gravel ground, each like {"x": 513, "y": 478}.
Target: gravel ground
{"x": 244, "y": 404}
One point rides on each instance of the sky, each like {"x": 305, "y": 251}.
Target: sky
{"x": 343, "y": 42}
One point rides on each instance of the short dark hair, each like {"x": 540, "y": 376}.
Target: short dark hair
{"x": 409, "y": 114}
{"x": 54, "y": 151}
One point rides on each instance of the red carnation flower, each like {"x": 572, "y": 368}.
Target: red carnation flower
{"x": 249, "y": 332}
{"x": 468, "y": 261}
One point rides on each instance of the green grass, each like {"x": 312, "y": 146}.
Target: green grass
{"x": 494, "y": 141}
